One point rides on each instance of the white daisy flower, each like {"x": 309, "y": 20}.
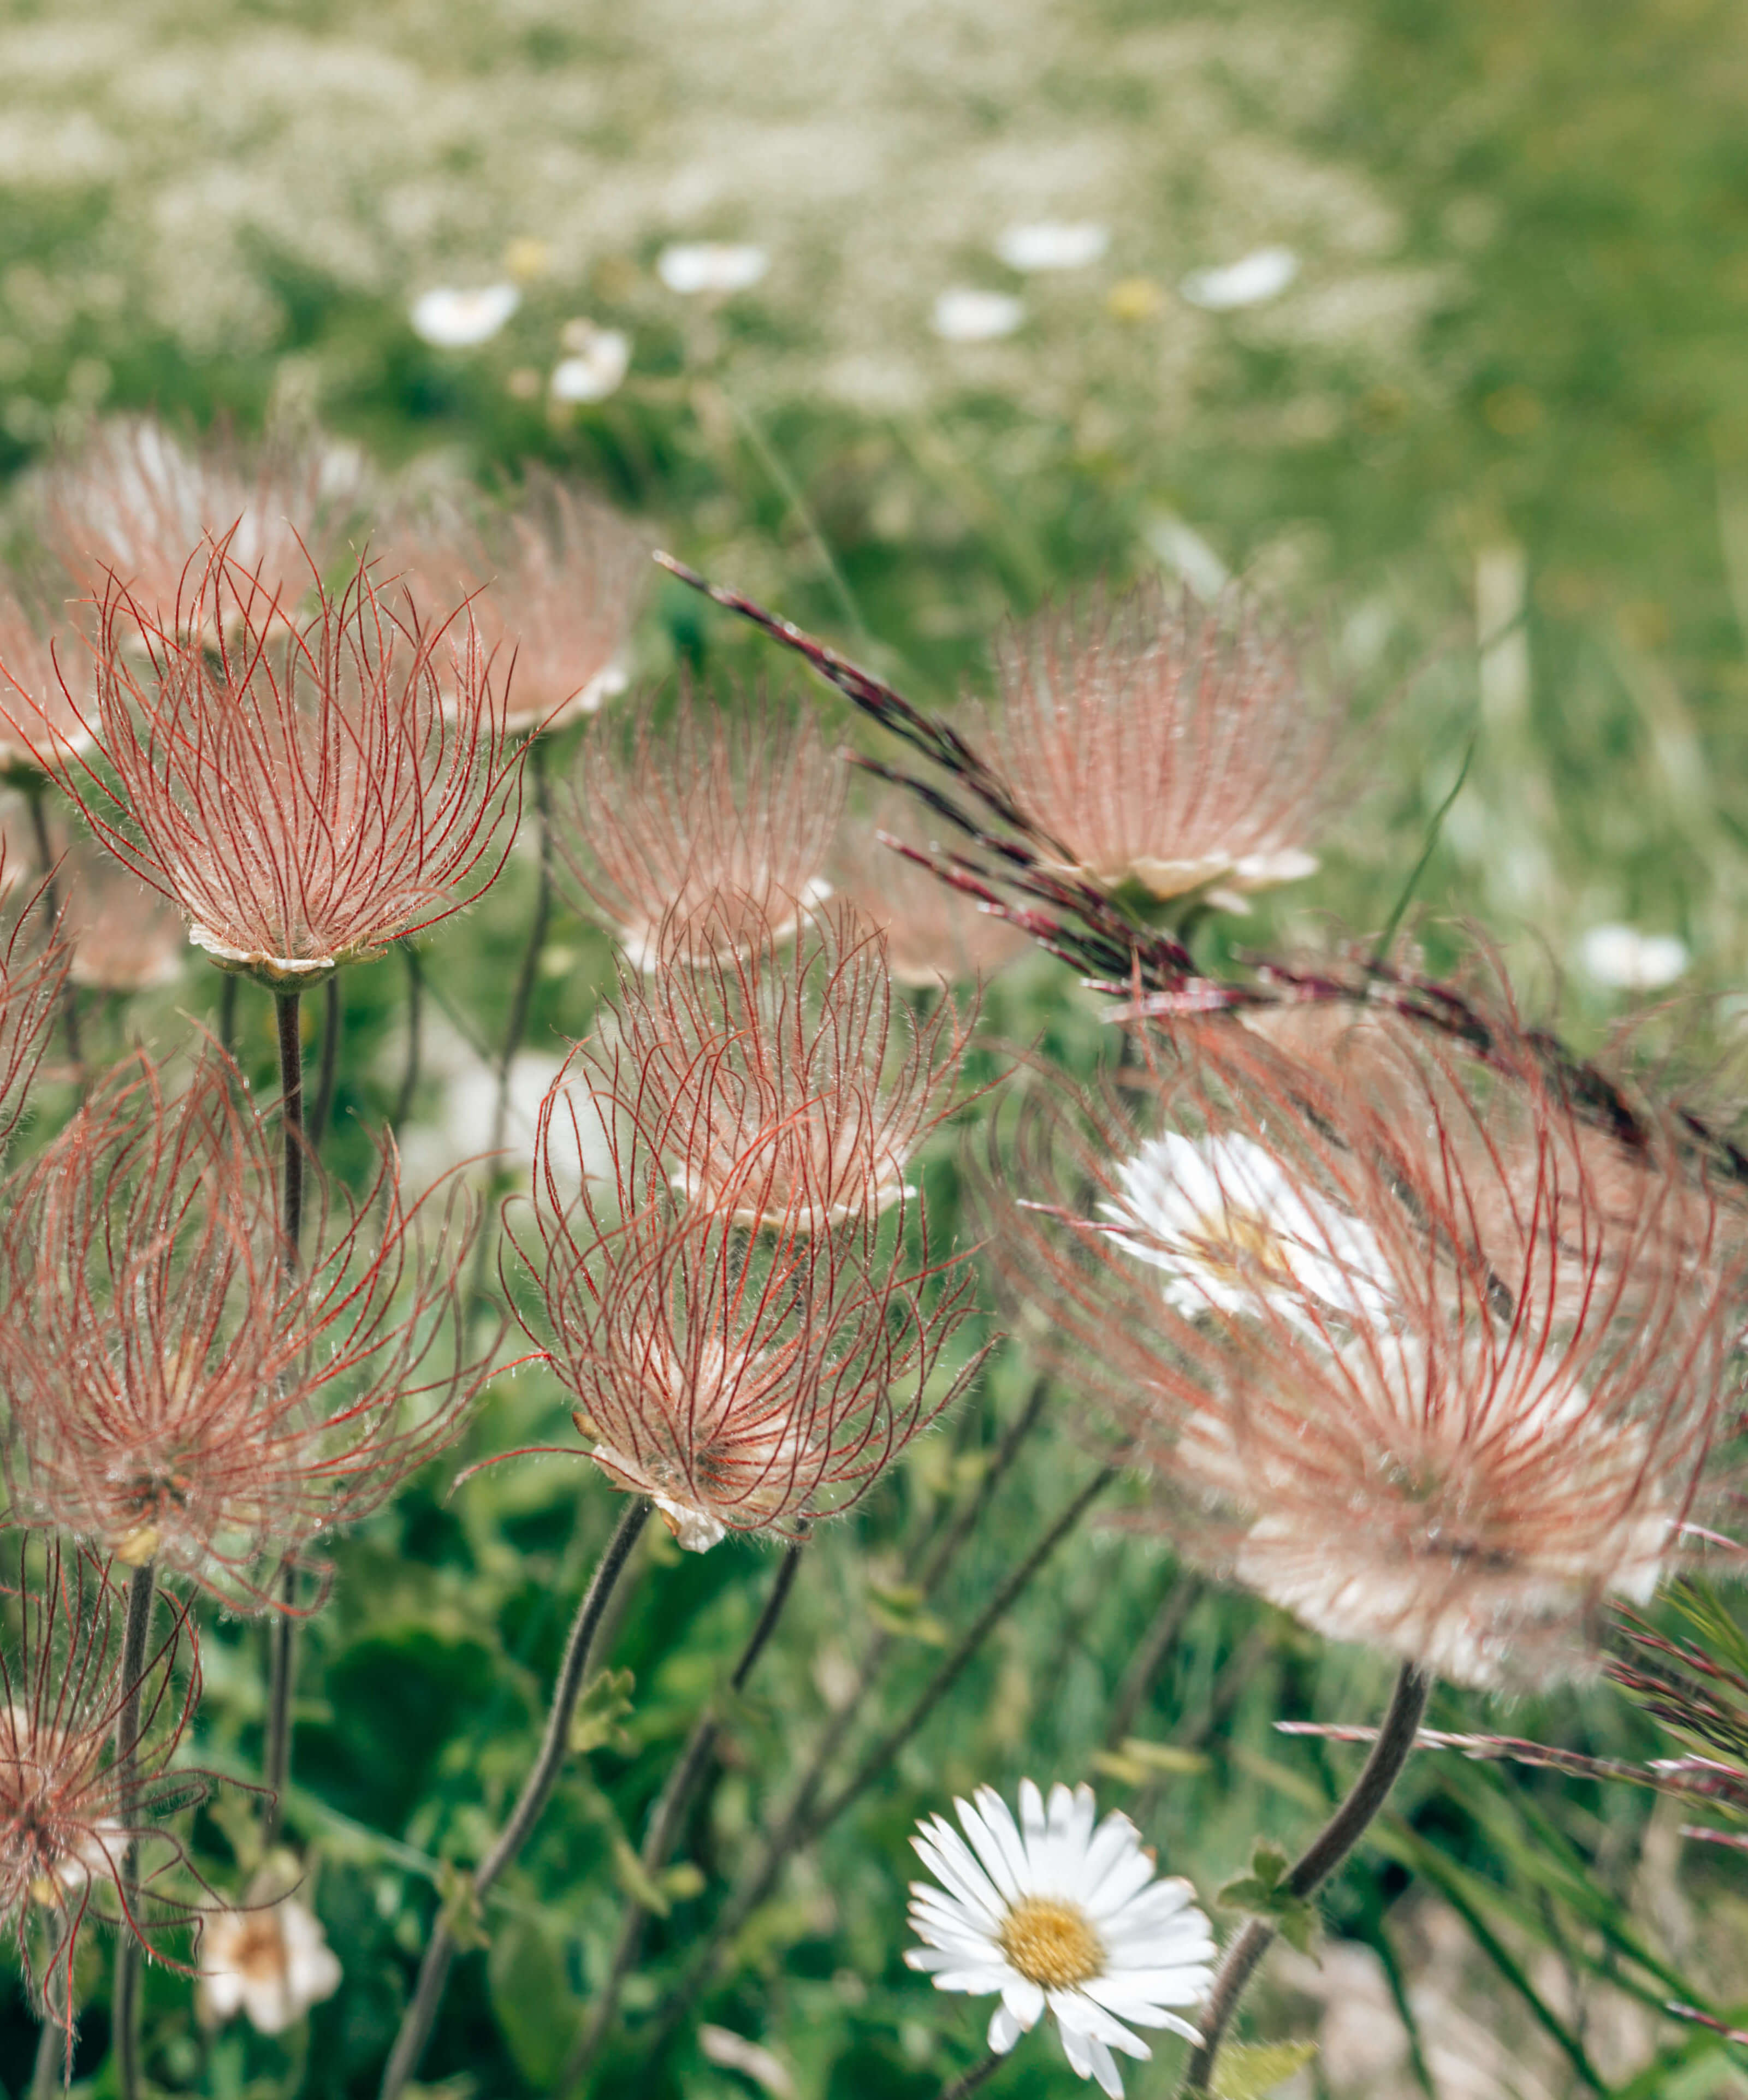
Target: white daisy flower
{"x": 455, "y": 320}
{"x": 1253, "y": 278}
{"x": 965, "y": 313}
{"x": 1059, "y": 1915}
{"x": 1228, "y": 1222}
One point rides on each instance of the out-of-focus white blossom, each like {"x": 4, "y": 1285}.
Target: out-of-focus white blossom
{"x": 597, "y": 366}
{"x": 966, "y": 314}
{"x": 271, "y": 1963}
{"x": 1053, "y": 244}
{"x": 1627, "y": 960}
{"x": 455, "y": 320}
{"x": 1262, "y": 275}
{"x": 689, "y": 266}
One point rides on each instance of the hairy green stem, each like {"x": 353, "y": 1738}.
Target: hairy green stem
{"x": 409, "y": 1074}
{"x": 51, "y": 2070}
{"x": 434, "y": 1971}
{"x": 282, "y": 1639}
{"x": 664, "y": 1827}
{"x": 124, "y": 2014}
{"x": 329, "y": 1070}
{"x": 282, "y": 1668}
{"x": 979, "y": 2074}
{"x": 227, "y": 1014}
{"x": 291, "y": 1109}
{"x": 1327, "y": 1849}
{"x": 805, "y": 1823}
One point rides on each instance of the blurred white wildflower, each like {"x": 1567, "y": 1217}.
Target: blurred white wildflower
{"x": 456, "y": 320}
{"x": 734, "y": 2052}
{"x": 1226, "y": 1221}
{"x": 1054, "y": 1913}
{"x": 1053, "y": 244}
{"x": 965, "y": 314}
{"x": 226, "y": 151}
{"x": 1627, "y": 960}
{"x": 711, "y": 266}
{"x": 599, "y": 359}
{"x": 1262, "y": 275}
{"x": 271, "y": 1963}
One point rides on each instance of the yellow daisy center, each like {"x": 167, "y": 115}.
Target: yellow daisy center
{"x": 1238, "y": 1246}
{"x": 1052, "y": 1943}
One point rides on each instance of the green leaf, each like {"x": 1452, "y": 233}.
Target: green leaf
{"x": 1263, "y": 1893}
{"x": 1245, "y": 2073}
{"x": 605, "y": 1703}
{"x": 532, "y": 2000}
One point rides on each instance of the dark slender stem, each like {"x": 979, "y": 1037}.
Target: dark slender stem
{"x": 125, "y": 2013}
{"x": 434, "y": 1971}
{"x": 227, "y": 1013}
{"x": 980, "y": 2074}
{"x": 664, "y": 1827}
{"x": 409, "y": 1075}
{"x": 948, "y": 1674}
{"x": 328, "y": 1071}
{"x": 806, "y": 1822}
{"x": 282, "y": 1654}
{"x": 282, "y": 1670}
{"x": 69, "y": 992}
{"x": 291, "y": 1108}
{"x": 1327, "y": 1849}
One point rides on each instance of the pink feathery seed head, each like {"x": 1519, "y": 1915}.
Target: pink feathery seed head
{"x": 171, "y": 1394}
{"x": 701, "y": 832}
{"x": 36, "y": 659}
{"x": 934, "y": 934}
{"x": 1165, "y": 743}
{"x": 553, "y": 582}
{"x": 307, "y": 791}
{"x": 787, "y": 1087}
{"x": 1396, "y": 1351}
{"x": 137, "y": 507}
{"x": 33, "y": 960}
{"x": 746, "y": 1382}
{"x": 64, "y": 1824}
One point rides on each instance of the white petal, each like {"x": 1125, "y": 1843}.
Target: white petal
{"x": 1104, "y": 2071}
{"x": 995, "y": 1838}
{"x": 1076, "y": 2050}
{"x": 1124, "y": 1879}
{"x": 1074, "y": 2009}
{"x": 1024, "y": 1999}
{"x": 947, "y": 1856}
{"x": 1004, "y": 2031}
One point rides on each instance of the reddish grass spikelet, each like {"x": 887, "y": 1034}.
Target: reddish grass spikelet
{"x": 1164, "y": 742}
{"x": 171, "y": 1394}
{"x": 701, "y": 834}
{"x": 1398, "y": 1354}
{"x": 935, "y": 935}
{"x": 65, "y": 1828}
{"x": 138, "y": 508}
{"x": 747, "y": 1382}
{"x": 786, "y": 1086}
{"x": 300, "y": 788}
{"x": 552, "y": 583}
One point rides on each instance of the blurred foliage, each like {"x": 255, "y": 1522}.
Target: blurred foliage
{"x": 1522, "y": 510}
